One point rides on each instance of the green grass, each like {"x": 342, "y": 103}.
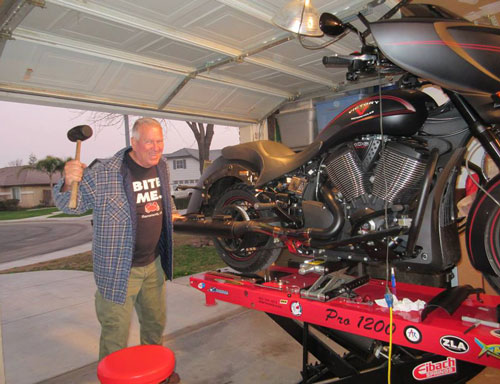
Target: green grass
{"x": 89, "y": 212}
{"x": 78, "y": 262}
{"x": 187, "y": 261}
{"x": 24, "y": 214}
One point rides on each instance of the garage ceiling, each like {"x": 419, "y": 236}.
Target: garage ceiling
{"x": 205, "y": 60}
{"x": 220, "y": 61}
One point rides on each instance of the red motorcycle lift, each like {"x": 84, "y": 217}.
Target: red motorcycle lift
{"x": 444, "y": 347}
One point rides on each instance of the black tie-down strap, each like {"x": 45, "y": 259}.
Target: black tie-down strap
{"x": 450, "y": 299}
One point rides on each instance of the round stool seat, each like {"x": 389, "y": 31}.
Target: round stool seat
{"x": 142, "y": 364}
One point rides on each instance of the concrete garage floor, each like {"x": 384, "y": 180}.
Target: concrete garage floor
{"x": 259, "y": 351}
{"x": 50, "y": 335}
{"x": 245, "y": 348}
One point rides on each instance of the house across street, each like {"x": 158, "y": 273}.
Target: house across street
{"x": 29, "y": 186}
{"x": 184, "y": 166}
{"x": 32, "y": 187}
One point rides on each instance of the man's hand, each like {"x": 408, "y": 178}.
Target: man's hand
{"x": 178, "y": 216}
{"x": 73, "y": 171}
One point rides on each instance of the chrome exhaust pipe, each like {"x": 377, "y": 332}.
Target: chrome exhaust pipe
{"x": 236, "y": 229}
{"x": 223, "y": 226}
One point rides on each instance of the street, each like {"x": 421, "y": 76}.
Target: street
{"x": 22, "y": 239}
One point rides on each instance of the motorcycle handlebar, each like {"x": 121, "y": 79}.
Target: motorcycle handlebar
{"x": 336, "y": 60}
{"x": 347, "y": 60}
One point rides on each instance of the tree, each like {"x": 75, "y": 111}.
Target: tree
{"x": 202, "y": 133}
{"x": 204, "y": 136}
{"x": 32, "y": 159}
{"x": 15, "y": 163}
{"x": 101, "y": 120}
{"x": 50, "y": 165}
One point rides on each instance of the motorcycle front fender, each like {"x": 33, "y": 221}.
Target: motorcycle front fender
{"x": 216, "y": 178}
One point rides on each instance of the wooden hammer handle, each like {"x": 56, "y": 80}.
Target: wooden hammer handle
{"x": 74, "y": 185}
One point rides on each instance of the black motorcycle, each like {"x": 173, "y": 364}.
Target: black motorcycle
{"x": 378, "y": 184}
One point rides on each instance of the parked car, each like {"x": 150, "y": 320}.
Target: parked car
{"x": 182, "y": 192}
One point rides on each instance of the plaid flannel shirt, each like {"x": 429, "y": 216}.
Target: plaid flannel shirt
{"x": 106, "y": 188}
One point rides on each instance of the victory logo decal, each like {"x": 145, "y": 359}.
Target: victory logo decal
{"x": 361, "y": 109}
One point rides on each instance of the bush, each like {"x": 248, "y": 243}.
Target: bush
{"x": 9, "y": 205}
{"x": 43, "y": 204}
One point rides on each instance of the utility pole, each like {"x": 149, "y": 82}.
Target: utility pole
{"x": 127, "y": 130}
{"x": 2, "y": 368}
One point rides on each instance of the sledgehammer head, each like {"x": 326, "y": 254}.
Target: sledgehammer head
{"x": 80, "y": 132}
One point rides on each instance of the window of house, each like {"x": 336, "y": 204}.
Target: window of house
{"x": 180, "y": 164}
{"x": 16, "y": 193}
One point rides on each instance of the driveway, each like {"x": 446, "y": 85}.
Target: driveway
{"x": 33, "y": 237}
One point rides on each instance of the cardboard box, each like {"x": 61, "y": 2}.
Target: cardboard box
{"x": 297, "y": 123}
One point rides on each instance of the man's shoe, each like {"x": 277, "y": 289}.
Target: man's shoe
{"x": 174, "y": 378}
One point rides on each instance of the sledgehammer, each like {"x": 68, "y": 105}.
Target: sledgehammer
{"x": 77, "y": 134}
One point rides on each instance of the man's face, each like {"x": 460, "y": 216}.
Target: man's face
{"x": 148, "y": 149}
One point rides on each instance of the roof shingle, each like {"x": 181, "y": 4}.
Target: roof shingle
{"x": 17, "y": 176}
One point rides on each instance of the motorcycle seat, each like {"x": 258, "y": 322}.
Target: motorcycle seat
{"x": 270, "y": 158}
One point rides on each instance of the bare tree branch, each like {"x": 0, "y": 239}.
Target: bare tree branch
{"x": 204, "y": 135}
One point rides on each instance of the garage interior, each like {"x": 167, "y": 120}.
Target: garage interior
{"x": 218, "y": 61}
{"x": 211, "y": 61}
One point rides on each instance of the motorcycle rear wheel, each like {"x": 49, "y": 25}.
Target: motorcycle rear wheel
{"x": 253, "y": 252}
{"x": 483, "y": 233}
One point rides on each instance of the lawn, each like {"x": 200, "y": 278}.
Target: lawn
{"x": 26, "y": 213}
{"x": 89, "y": 212}
{"x": 189, "y": 258}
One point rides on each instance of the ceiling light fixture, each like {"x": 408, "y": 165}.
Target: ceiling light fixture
{"x": 299, "y": 16}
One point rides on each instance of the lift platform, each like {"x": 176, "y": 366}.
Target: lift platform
{"x": 449, "y": 341}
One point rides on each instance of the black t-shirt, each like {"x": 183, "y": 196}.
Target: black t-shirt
{"x": 149, "y": 208}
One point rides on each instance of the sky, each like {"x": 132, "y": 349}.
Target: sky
{"x": 41, "y": 130}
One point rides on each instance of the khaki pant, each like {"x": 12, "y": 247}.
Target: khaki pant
{"x": 146, "y": 292}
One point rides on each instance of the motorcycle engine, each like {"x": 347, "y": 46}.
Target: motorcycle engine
{"x": 398, "y": 174}
{"x": 368, "y": 177}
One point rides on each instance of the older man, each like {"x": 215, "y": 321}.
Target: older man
{"x": 132, "y": 242}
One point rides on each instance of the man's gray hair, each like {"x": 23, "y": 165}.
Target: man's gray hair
{"x": 141, "y": 122}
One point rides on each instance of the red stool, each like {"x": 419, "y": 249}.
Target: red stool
{"x": 142, "y": 364}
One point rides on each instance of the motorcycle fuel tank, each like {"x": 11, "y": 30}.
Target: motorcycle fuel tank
{"x": 454, "y": 54}
{"x": 403, "y": 114}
